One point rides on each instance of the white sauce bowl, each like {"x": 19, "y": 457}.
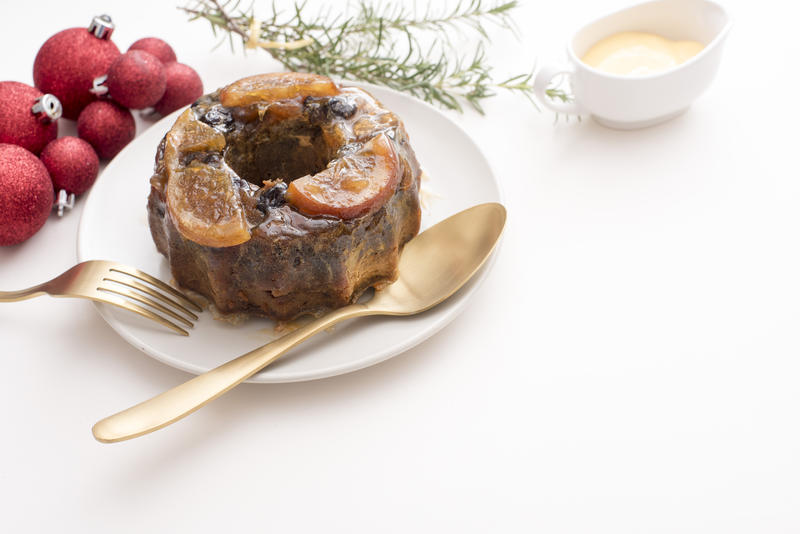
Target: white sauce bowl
{"x": 629, "y": 102}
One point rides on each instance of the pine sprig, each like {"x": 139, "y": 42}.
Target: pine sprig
{"x": 386, "y": 44}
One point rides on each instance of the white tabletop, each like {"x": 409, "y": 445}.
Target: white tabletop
{"x": 630, "y": 365}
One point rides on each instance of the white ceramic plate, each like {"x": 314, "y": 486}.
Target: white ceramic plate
{"x": 114, "y": 227}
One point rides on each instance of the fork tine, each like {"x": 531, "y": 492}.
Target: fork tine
{"x": 135, "y": 308}
{"x": 136, "y": 273}
{"x": 139, "y": 298}
{"x": 153, "y": 293}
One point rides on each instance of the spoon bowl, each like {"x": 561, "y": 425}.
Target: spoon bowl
{"x": 437, "y": 262}
{"x": 433, "y": 266}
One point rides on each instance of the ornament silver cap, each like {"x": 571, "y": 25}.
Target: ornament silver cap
{"x": 64, "y": 202}
{"x": 97, "y": 85}
{"x": 101, "y": 27}
{"x": 48, "y": 107}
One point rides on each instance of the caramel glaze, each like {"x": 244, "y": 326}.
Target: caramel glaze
{"x": 292, "y": 264}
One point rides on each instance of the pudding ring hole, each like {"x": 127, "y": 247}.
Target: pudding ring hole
{"x": 267, "y": 146}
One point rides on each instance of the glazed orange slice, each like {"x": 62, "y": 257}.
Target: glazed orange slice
{"x": 202, "y": 200}
{"x": 352, "y": 186}
{"x": 205, "y": 207}
{"x": 276, "y": 86}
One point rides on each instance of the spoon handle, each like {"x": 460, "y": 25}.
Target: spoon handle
{"x": 180, "y": 401}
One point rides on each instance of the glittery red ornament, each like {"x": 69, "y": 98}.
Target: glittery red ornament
{"x": 157, "y": 47}
{"x": 184, "y": 86}
{"x": 69, "y": 61}
{"x": 136, "y": 79}
{"x": 19, "y": 124}
{"x": 26, "y": 194}
{"x": 107, "y": 126}
{"x": 72, "y": 164}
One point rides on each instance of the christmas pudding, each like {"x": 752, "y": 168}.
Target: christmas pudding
{"x": 284, "y": 194}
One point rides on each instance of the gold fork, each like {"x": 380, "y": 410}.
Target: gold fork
{"x": 114, "y": 283}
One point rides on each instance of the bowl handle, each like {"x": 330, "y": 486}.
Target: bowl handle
{"x": 542, "y": 81}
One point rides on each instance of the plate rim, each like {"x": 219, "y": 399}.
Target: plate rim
{"x": 461, "y": 298}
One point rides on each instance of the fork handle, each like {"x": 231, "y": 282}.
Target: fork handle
{"x": 180, "y": 401}
{"x": 22, "y": 294}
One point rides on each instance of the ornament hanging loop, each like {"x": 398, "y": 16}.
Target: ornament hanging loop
{"x": 47, "y": 107}
{"x": 101, "y": 27}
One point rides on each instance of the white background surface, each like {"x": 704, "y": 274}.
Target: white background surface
{"x": 631, "y": 364}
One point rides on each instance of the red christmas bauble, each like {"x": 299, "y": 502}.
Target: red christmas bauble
{"x": 67, "y": 64}
{"x": 184, "y": 86}
{"x": 107, "y": 126}
{"x": 26, "y": 194}
{"x": 72, "y": 164}
{"x": 157, "y": 47}
{"x": 136, "y": 79}
{"x": 19, "y": 123}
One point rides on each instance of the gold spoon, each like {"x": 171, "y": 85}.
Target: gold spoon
{"x": 433, "y": 266}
